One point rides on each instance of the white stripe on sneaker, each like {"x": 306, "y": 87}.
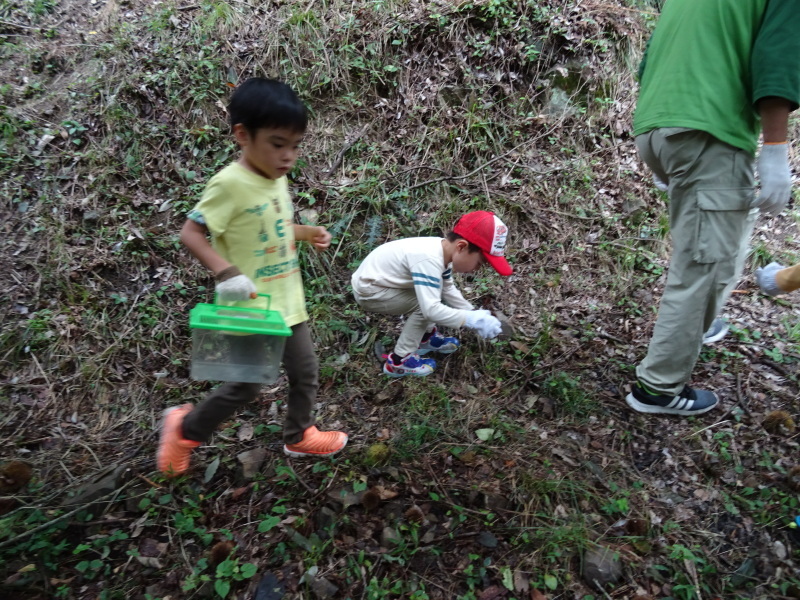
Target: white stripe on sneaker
{"x": 680, "y": 403}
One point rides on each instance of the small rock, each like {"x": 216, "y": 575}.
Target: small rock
{"x": 670, "y": 497}
{"x": 269, "y": 588}
{"x": 745, "y": 571}
{"x": 91, "y": 216}
{"x": 393, "y": 510}
{"x": 322, "y": 588}
{"x": 326, "y": 519}
{"x": 309, "y": 215}
{"x": 495, "y": 502}
{"x": 634, "y": 208}
{"x": 507, "y": 329}
{"x": 344, "y": 498}
{"x": 390, "y": 537}
{"x": 103, "y": 484}
{"x": 559, "y": 104}
{"x": 780, "y": 550}
{"x": 487, "y": 540}
{"x": 429, "y": 536}
{"x": 251, "y": 461}
{"x": 601, "y": 566}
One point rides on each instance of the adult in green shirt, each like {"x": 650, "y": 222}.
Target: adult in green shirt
{"x": 716, "y": 74}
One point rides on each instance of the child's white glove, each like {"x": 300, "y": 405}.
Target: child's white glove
{"x": 484, "y": 324}
{"x": 776, "y": 178}
{"x": 232, "y": 285}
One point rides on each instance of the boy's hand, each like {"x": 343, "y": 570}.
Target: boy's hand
{"x": 320, "y": 238}
{"x": 484, "y": 324}
{"x": 233, "y": 286}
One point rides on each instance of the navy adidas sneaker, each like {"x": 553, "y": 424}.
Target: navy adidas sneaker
{"x": 689, "y": 402}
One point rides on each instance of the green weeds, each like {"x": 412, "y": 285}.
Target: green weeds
{"x": 417, "y": 117}
{"x": 569, "y": 394}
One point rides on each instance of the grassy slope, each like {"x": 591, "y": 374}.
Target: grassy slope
{"x": 112, "y": 123}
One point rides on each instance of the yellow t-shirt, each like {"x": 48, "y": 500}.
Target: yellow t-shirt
{"x": 250, "y": 221}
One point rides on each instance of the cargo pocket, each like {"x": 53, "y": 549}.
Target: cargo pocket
{"x": 721, "y": 223}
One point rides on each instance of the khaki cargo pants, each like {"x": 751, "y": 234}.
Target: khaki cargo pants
{"x": 396, "y": 301}
{"x": 711, "y": 187}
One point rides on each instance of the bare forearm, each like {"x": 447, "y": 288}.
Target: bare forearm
{"x": 303, "y": 233}
{"x": 193, "y": 236}
{"x": 788, "y": 279}
{"x": 774, "y": 119}
{"x": 316, "y": 235}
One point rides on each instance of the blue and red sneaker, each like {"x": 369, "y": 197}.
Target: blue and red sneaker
{"x": 439, "y": 343}
{"x": 410, "y": 365}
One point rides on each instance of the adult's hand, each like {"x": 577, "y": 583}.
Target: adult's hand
{"x": 775, "y": 176}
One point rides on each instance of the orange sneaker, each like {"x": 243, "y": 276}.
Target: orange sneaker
{"x": 317, "y": 443}
{"x": 174, "y": 450}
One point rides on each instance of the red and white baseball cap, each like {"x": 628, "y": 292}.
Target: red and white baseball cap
{"x": 488, "y": 233}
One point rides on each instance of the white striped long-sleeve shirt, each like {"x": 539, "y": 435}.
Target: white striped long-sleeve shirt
{"x": 416, "y": 263}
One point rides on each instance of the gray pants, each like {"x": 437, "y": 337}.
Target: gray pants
{"x": 302, "y": 370}
{"x": 395, "y": 301}
{"x": 711, "y": 187}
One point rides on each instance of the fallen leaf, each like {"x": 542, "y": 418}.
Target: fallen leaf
{"x": 211, "y": 470}
{"x": 521, "y": 581}
{"x": 520, "y": 346}
{"x": 150, "y": 561}
{"x": 492, "y": 593}
{"x": 385, "y": 494}
{"x": 484, "y": 434}
{"x": 239, "y": 491}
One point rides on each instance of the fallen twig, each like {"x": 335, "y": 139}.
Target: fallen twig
{"x": 348, "y": 144}
{"x": 66, "y": 515}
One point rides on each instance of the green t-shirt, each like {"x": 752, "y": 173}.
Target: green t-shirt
{"x": 708, "y": 63}
{"x": 250, "y": 219}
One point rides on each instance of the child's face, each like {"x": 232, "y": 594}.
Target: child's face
{"x": 465, "y": 261}
{"x": 270, "y": 152}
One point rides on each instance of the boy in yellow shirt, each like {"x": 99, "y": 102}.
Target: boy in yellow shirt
{"x": 247, "y": 210}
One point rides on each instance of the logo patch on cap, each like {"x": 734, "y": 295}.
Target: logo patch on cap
{"x": 499, "y": 238}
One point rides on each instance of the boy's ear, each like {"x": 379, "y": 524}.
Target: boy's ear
{"x": 241, "y": 135}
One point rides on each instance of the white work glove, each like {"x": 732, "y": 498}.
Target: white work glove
{"x": 776, "y": 179}
{"x": 484, "y": 324}
{"x": 661, "y": 185}
{"x": 233, "y": 286}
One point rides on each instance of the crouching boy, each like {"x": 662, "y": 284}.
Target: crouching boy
{"x": 413, "y": 276}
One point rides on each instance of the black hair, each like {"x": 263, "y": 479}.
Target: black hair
{"x": 452, "y": 236}
{"x": 267, "y": 103}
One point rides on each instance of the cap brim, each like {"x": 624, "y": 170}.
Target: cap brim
{"x": 499, "y": 264}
